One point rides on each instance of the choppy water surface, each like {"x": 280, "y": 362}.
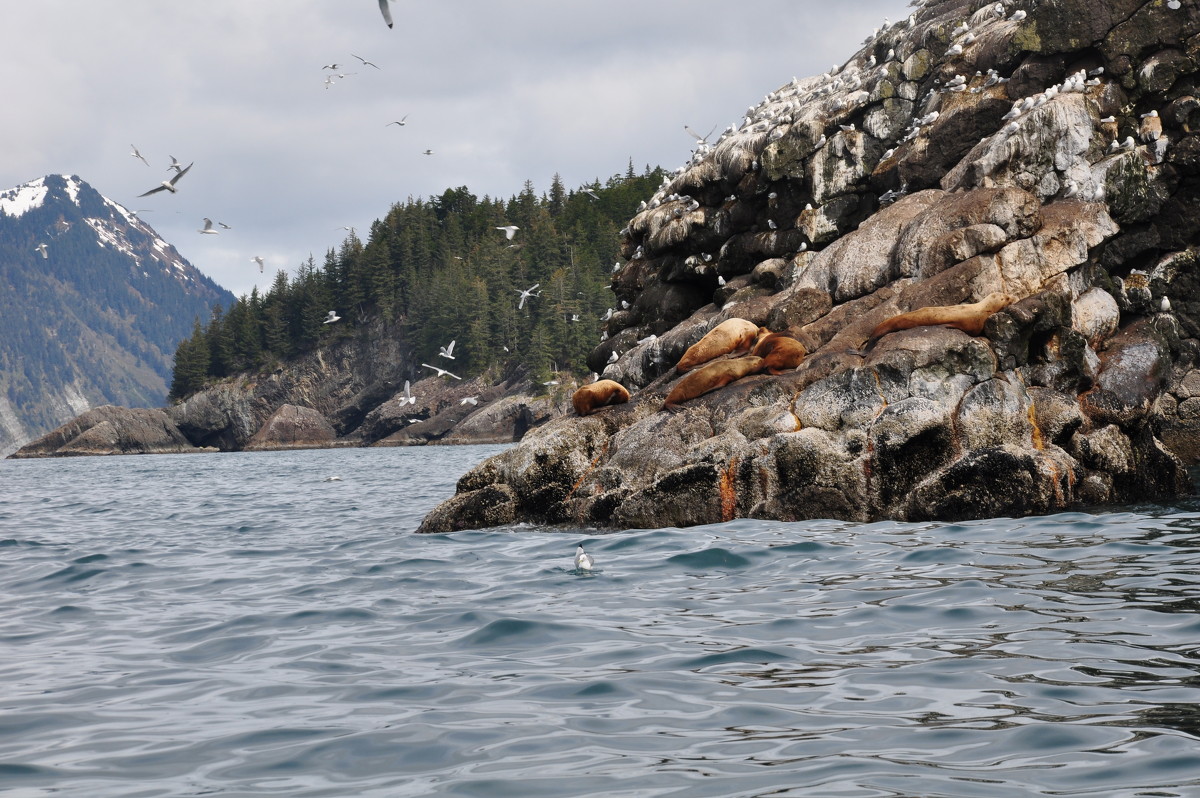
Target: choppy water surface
{"x": 236, "y": 625}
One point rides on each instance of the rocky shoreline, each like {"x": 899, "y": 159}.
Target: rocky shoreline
{"x": 1048, "y": 151}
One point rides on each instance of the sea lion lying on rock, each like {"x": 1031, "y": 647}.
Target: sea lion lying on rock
{"x": 780, "y": 352}
{"x": 969, "y": 318}
{"x": 602, "y": 393}
{"x": 713, "y": 376}
{"x": 731, "y": 335}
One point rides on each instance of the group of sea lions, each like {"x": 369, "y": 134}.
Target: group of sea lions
{"x": 772, "y": 352}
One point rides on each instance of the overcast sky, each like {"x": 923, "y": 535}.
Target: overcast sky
{"x": 502, "y": 92}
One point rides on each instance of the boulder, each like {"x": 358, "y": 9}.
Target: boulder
{"x": 111, "y": 430}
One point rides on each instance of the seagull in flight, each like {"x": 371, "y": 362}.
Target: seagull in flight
{"x": 583, "y": 560}
{"x": 332, "y": 317}
{"x": 469, "y": 400}
{"x": 427, "y": 152}
{"x": 138, "y": 155}
{"x": 169, "y": 185}
{"x": 441, "y": 372}
{"x": 208, "y": 228}
{"x": 399, "y": 122}
{"x": 447, "y": 351}
{"x": 42, "y": 249}
{"x": 591, "y": 193}
{"x": 510, "y": 230}
{"x": 408, "y": 399}
{"x": 526, "y": 294}
{"x": 175, "y": 164}
{"x": 257, "y": 259}
{"x": 387, "y": 12}
{"x": 365, "y": 61}
{"x": 333, "y": 67}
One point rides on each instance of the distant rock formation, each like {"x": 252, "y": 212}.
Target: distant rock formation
{"x": 111, "y": 430}
{"x": 968, "y": 150}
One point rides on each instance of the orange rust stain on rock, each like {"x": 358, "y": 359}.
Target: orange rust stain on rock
{"x": 728, "y": 493}
{"x": 1039, "y": 442}
{"x": 590, "y": 469}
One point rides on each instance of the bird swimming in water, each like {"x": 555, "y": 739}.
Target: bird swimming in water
{"x": 583, "y": 560}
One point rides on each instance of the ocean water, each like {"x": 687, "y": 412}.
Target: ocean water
{"x": 236, "y": 625}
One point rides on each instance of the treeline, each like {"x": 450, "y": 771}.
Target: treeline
{"x": 439, "y": 270}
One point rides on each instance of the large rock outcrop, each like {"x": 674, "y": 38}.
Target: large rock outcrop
{"x": 111, "y": 430}
{"x": 1046, "y": 150}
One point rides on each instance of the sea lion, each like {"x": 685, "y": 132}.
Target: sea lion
{"x": 780, "y": 352}
{"x": 731, "y": 335}
{"x": 967, "y": 317}
{"x": 602, "y": 393}
{"x": 713, "y": 376}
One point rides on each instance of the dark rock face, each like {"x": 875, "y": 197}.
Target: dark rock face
{"x": 111, "y": 430}
{"x": 940, "y": 164}
{"x": 292, "y": 427}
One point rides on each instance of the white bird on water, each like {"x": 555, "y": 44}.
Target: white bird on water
{"x": 208, "y": 228}
{"x": 332, "y": 317}
{"x": 447, "y": 351}
{"x": 441, "y": 372}
{"x": 583, "y": 560}
{"x": 526, "y": 294}
{"x": 169, "y": 185}
{"x": 510, "y": 230}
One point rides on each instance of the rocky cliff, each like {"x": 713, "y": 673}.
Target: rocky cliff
{"x": 1044, "y": 150}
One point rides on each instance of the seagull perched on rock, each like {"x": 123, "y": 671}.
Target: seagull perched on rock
{"x": 510, "y": 230}
{"x": 42, "y": 249}
{"x": 138, "y": 155}
{"x": 169, "y": 185}
{"x": 208, "y": 228}
{"x": 258, "y": 259}
{"x": 447, "y": 351}
{"x": 332, "y": 317}
{"x": 1151, "y": 128}
{"x": 583, "y": 560}
{"x": 526, "y": 294}
{"x": 441, "y": 372}
{"x": 387, "y": 12}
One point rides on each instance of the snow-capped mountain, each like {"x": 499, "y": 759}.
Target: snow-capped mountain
{"x": 93, "y": 304}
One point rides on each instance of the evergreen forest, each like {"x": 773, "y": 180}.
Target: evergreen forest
{"x": 438, "y": 270}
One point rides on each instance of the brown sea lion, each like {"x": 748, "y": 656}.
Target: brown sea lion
{"x": 780, "y": 352}
{"x": 731, "y": 335}
{"x": 968, "y": 317}
{"x": 601, "y": 393}
{"x": 713, "y": 376}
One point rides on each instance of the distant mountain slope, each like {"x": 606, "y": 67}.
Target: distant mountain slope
{"x": 97, "y": 318}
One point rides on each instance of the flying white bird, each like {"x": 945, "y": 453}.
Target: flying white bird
{"x": 42, "y": 249}
{"x": 427, "y": 152}
{"x": 447, "y": 351}
{"x": 526, "y": 294}
{"x": 365, "y": 61}
{"x": 387, "y": 12}
{"x": 408, "y": 399}
{"x": 401, "y": 121}
{"x": 169, "y": 185}
{"x": 469, "y": 400}
{"x": 175, "y": 164}
{"x": 257, "y": 259}
{"x": 441, "y": 372}
{"x": 332, "y": 317}
{"x": 208, "y": 228}
{"x": 583, "y": 560}
{"x": 510, "y": 230}
{"x": 138, "y": 155}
